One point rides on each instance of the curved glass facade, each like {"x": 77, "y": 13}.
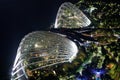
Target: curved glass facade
{"x": 41, "y": 49}
{"x": 69, "y": 16}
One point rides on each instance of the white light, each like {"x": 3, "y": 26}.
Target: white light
{"x": 74, "y": 53}
{"x": 98, "y": 73}
{"x": 37, "y": 45}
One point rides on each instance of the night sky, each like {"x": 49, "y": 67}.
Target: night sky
{"x": 18, "y": 18}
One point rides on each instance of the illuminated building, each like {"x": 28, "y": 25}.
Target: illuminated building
{"x": 69, "y": 16}
{"x": 39, "y": 50}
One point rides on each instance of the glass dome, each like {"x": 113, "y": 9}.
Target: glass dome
{"x": 69, "y": 16}
{"x": 41, "y": 50}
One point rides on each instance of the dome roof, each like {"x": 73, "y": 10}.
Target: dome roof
{"x": 42, "y": 49}
{"x": 69, "y": 16}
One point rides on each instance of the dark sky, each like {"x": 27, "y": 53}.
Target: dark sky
{"x": 18, "y": 18}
